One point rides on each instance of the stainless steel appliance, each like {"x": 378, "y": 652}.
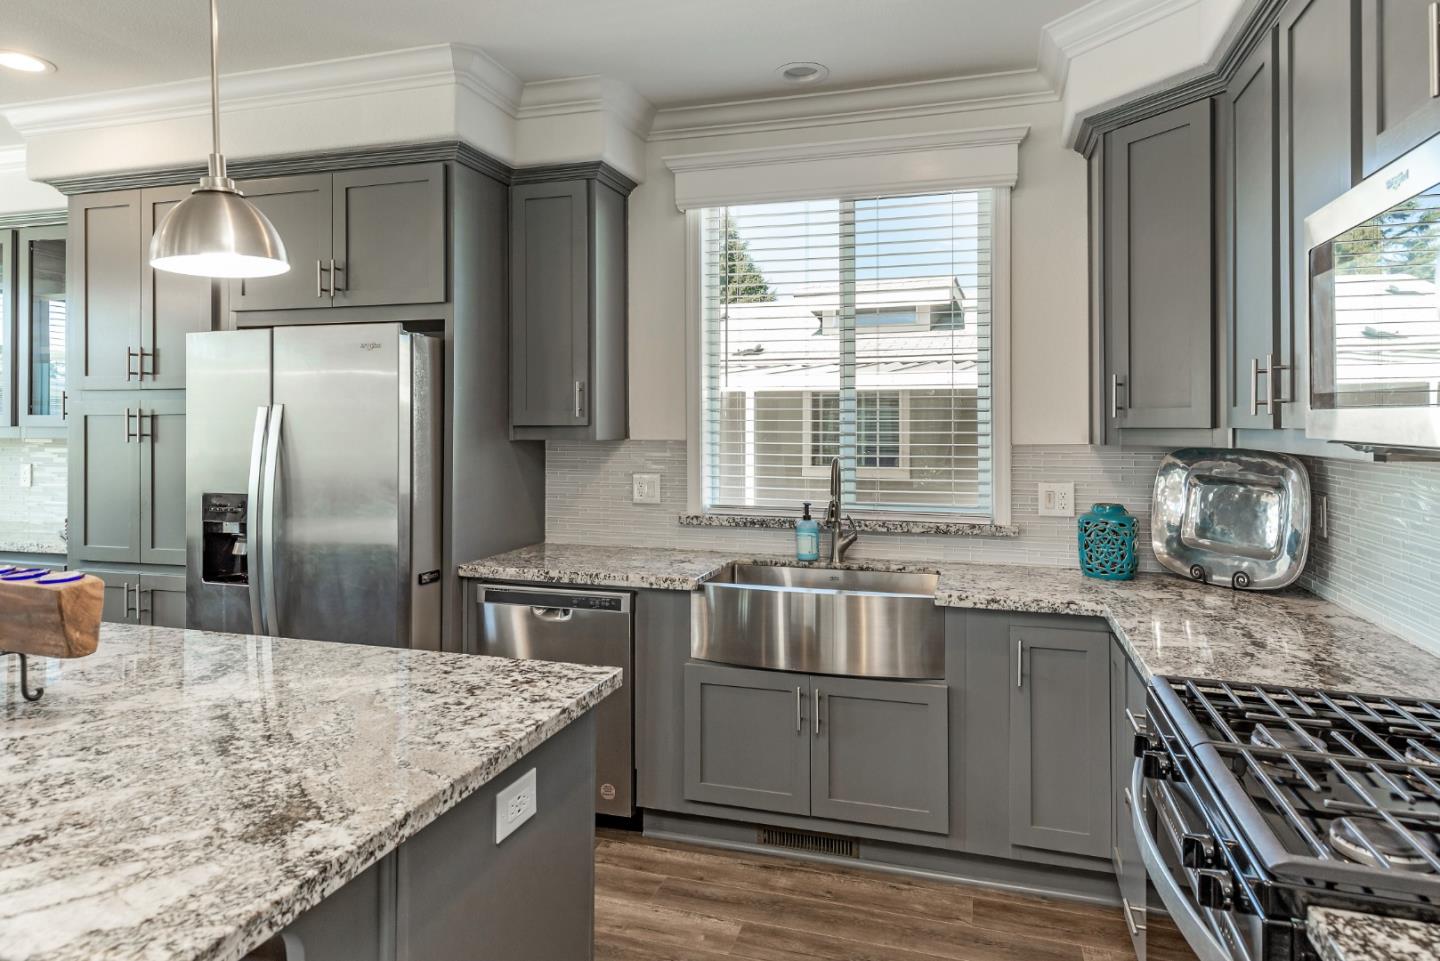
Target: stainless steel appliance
{"x": 1375, "y": 309}
{"x": 1238, "y": 518}
{"x": 821, "y": 620}
{"x": 1260, "y": 802}
{"x": 312, "y": 483}
{"x": 582, "y": 627}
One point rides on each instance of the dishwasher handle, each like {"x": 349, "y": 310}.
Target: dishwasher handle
{"x": 555, "y": 614}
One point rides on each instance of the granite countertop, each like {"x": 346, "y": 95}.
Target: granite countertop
{"x": 1352, "y": 936}
{"x": 1169, "y": 626}
{"x": 18, "y": 541}
{"x": 185, "y": 795}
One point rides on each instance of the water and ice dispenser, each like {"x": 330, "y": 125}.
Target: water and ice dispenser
{"x": 225, "y": 547}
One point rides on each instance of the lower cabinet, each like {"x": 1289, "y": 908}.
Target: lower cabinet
{"x": 1060, "y": 740}
{"x": 858, "y": 750}
{"x": 1127, "y": 696}
{"x": 134, "y": 597}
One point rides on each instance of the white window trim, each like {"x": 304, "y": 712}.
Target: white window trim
{"x": 807, "y": 443}
{"x": 1000, "y": 406}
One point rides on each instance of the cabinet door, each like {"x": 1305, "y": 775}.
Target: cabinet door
{"x": 162, "y": 481}
{"x": 550, "y": 305}
{"x": 171, "y": 305}
{"x": 105, "y": 479}
{"x": 881, "y": 753}
{"x": 389, "y": 235}
{"x": 1060, "y": 740}
{"x": 1252, "y": 260}
{"x": 299, "y": 207}
{"x": 747, "y": 743}
{"x": 162, "y": 599}
{"x": 1319, "y": 161}
{"x": 119, "y": 605}
{"x": 105, "y": 260}
{"x": 1159, "y": 269}
{"x": 1400, "y": 99}
{"x": 43, "y": 320}
{"x": 1127, "y": 692}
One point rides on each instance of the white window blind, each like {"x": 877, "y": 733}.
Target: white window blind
{"x": 857, "y": 329}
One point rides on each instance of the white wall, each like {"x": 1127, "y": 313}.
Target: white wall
{"x": 20, "y": 194}
{"x": 1049, "y": 321}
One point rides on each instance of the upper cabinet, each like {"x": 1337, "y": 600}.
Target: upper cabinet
{"x": 364, "y": 238}
{"x": 33, "y": 336}
{"x": 568, "y": 308}
{"x": 1399, "y": 77}
{"x": 1157, "y": 271}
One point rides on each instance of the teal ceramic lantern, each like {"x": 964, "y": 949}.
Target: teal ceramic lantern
{"x": 1106, "y": 533}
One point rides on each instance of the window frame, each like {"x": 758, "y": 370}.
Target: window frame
{"x": 1000, "y": 406}
{"x": 808, "y": 445}
{"x": 23, "y": 304}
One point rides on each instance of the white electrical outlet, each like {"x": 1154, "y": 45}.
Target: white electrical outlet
{"x": 645, "y": 488}
{"x": 1057, "y": 500}
{"x": 27, "y": 474}
{"x": 514, "y": 805}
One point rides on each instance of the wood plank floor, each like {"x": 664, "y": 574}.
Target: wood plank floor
{"x": 660, "y": 901}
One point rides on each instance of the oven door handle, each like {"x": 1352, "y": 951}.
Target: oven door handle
{"x": 1183, "y": 911}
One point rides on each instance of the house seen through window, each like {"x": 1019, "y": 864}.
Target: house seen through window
{"x": 850, "y": 329}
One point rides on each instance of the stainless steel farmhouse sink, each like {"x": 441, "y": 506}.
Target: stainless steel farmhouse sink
{"x": 820, "y": 620}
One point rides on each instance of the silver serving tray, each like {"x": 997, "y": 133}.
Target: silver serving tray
{"x": 1237, "y": 518}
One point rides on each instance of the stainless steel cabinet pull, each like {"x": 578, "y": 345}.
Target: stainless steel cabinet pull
{"x": 1115, "y": 384}
{"x": 335, "y": 271}
{"x": 1129, "y": 798}
{"x": 131, "y": 354}
{"x": 798, "y": 701}
{"x": 1019, "y": 663}
{"x": 126, "y": 588}
{"x": 1137, "y": 722}
{"x": 140, "y": 420}
{"x": 1135, "y": 929}
{"x": 128, "y": 434}
{"x": 579, "y": 398}
{"x": 816, "y": 718}
{"x": 143, "y": 372}
{"x": 1277, "y": 395}
{"x": 150, "y": 600}
{"x": 1256, "y": 372}
{"x": 1435, "y": 49}
{"x": 319, "y": 278}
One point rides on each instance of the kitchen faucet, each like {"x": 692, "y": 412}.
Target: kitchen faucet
{"x": 839, "y": 542}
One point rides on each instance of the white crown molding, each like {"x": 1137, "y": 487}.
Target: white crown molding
{"x": 415, "y": 68}
{"x": 838, "y": 107}
{"x": 12, "y": 159}
{"x": 1093, "y": 26}
{"x": 838, "y": 149}
{"x": 586, "y": 95}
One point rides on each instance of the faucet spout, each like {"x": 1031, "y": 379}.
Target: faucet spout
{"x": 840, "y": 541}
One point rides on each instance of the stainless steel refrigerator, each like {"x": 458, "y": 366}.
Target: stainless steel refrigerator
{"x": 312, "y": 483}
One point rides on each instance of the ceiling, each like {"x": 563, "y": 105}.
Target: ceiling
{"x": 671, "y": 51}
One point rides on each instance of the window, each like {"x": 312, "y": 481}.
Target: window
{"x": 850, "y": 329}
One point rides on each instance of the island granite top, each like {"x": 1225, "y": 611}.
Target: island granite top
{"x": 1168, "y": 625}
{"x": 1352, "y": 936}
{"x": 185, "y": 795}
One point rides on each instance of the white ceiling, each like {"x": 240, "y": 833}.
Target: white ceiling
{"x": 671, "y": 51}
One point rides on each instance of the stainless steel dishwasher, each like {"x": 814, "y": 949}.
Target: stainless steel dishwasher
{"x": 582, "y": 627}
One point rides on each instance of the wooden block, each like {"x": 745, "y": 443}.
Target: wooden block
{"x": 51, "y": 620}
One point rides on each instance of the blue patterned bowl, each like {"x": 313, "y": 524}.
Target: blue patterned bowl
{"x": 1106, "y": 536}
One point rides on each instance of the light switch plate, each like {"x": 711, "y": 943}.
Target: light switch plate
{"x": 1057, "y": 500}
{"x": 514, "y": 805}
{"x": 645, "y": 488}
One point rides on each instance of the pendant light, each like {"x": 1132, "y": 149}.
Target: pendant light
{"x": 216, "y": 232}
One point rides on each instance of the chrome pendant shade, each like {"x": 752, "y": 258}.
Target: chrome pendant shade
{"x": 216, "y": 232}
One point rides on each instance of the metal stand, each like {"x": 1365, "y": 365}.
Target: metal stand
{"x": 25, "y": 691}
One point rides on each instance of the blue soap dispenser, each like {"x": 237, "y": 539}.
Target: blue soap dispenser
{"x": 807, "y": 537}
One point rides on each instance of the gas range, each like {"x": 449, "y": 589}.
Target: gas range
{"x": 1262, "y": 801}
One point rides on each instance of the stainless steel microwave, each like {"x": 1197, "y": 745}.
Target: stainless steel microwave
{"x": 1375, "y": 309}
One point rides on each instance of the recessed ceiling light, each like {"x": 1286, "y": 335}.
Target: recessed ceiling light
{"x": 804, "y": 71}
{"x": 24, "y": 62}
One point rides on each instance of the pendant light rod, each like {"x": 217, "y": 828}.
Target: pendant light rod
{"x": 217, "y": 159}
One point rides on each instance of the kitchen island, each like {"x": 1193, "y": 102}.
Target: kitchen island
{"x": 192, "y": 796}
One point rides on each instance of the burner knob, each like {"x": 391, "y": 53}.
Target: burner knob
{"x": 1198, "y": 851}
{"x": 1215, "y": 888}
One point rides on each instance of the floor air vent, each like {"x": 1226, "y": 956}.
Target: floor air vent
{"x": 809, "y": 842}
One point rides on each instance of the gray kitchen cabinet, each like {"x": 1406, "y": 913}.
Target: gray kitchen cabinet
{"x": 1319, "y": 160}
{"x": 161, "y": 598}
{"x": 1060, "y": 740}
{"x": 105, "y": 262}
{"x": 171, "y": 305}
{"x": 747, "y": 739}
{"x": 116, "y": 607}
{"x": 1127, "y": 697}
{"x": 127, "y": 478}
{"x": 1252, "y": 288}
{"x": 881, "y": 753}
{"x": 567, "y": 310}
{"x": 360, "y": 238}
{"x": 1399, "y": 78}
{"x": 43, "y": 280}
{"x": 1158, "y": 271}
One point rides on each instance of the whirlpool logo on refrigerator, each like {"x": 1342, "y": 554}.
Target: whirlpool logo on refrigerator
{"x": 370, "y": 345}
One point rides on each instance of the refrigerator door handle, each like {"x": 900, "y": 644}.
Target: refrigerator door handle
{"x": 252, "y": 517}
{"x": 267, "y": 522}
